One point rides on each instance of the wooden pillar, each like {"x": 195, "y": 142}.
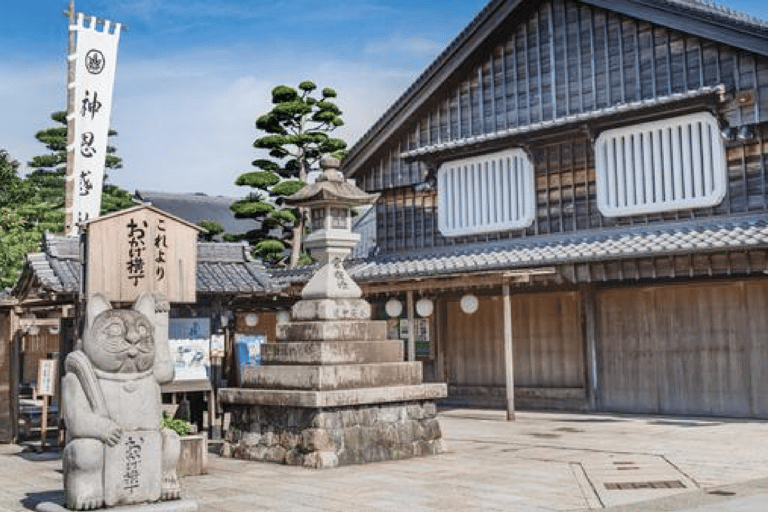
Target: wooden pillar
{"x": 411, "y": 333}
{"x": 439, "y": 340}
{"x": 509, "y": 362}
{"x": 590, "y": 336}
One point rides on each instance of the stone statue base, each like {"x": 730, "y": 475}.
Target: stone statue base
{"x": 333, "y": 390}
{"x": 161, "y": 506}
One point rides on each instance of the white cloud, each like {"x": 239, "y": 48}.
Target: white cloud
{"x": 188, "y": 127}
{"x": 398, "y": 46}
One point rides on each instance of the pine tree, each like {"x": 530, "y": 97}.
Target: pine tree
{"x": 296, "y": 136}
{"x": 17, "y": 236}
{"x": 48, "y": 178}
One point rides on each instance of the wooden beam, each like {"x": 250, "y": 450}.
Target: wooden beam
{"x": 456, "y": 281}
{"x": 509, "y": 363}
{"x": 411, "y": 325}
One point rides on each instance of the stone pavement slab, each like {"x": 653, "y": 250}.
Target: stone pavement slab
{"x": 541, "y": 462}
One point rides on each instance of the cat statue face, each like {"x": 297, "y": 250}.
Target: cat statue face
{"x": 120, "y": 340}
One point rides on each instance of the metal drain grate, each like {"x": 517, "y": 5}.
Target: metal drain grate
{"x": 659, "y": 484}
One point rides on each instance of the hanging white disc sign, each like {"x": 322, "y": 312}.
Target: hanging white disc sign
{"x": 469, "y": 304}
{"x": 393, "y": 307}
{"x": 424, "y": 307}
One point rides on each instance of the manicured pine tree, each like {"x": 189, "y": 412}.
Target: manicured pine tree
{"x": 296, "y": 136}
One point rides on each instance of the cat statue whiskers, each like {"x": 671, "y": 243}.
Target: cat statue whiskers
{"x": 117, "y": 453}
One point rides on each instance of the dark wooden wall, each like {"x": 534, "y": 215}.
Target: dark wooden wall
{"x": 548, "y": 342}
{"x": 566, "y": 59}
{"x": 684, "y": 349}
{"x": 567, "y": 200}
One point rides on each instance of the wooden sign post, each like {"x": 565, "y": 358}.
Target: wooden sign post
{"x": 141, "y": 249}
{"x": 45, "y": 389}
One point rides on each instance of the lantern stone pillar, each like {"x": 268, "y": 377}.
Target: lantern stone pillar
{"x": 333, "y": 390}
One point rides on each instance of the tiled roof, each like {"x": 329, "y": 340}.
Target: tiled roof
{"x": 671, "y": 239}
{"x": 720, "y": 11}
{"x": 198, "y": 207}
{"x": 221, "y": 267}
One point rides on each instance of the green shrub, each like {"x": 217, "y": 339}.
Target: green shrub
{"x": 181, "y": 427}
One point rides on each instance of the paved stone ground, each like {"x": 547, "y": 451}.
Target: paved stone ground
{"x": 541, "y": 462}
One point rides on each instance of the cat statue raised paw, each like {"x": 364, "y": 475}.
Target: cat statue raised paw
{"x": 117, "y": 452}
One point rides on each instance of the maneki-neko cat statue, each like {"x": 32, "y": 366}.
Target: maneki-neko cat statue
{"x": 117, "y": 453}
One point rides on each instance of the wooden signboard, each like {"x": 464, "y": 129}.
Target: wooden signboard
{"x": 46, "y": 377}
{"x": 141, "y": 249}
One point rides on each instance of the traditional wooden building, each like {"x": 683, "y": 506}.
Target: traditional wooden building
{"x": 591, "y": 178}
{"x": 38, "y": 322}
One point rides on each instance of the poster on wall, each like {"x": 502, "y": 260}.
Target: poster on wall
{"x": 189, "y": 341}
{"x": 248, "y": 351}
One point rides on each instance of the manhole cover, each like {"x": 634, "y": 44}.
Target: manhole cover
{"x": 658, "y": 484}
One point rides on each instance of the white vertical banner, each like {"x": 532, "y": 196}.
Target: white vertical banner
{"x": 94, "y": 60}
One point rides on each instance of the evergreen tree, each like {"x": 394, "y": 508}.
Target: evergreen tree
{"x": 212, "y": 229}
{"x": 17, "y": 236}
{"x": 296, "y": 136}
{"x": 33, "y": 205}
{"x": 48, "y": 174}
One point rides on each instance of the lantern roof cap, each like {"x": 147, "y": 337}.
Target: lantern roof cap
{"x": 331, "y": 188}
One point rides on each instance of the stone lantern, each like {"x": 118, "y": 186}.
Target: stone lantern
{"x": 329, "y": 201}
{"x": 332, "y": 389}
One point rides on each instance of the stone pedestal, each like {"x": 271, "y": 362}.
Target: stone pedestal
{"x": 332, "y": 391}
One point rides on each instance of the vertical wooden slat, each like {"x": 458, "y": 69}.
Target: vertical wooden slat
{"x": 527, "y": 67}
{"x": 668, "y": 40}
{"x": 538, "y": 65}
{"x": 480, "y": 100}
{"x": 552, "y": 61}
{"x": 653, "y": 61}
{"x": 638, "y": 76}
{"x": 593, "y": 56}
{"x": 607, "y": 59}
{"x": 622, "y": 83}
{"x": 580, "y": 58}
{"x": 505, "y": 102}
{"x": 566, "y": 58}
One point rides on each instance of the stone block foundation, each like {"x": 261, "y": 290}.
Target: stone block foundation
{"x": 334, "y": 436}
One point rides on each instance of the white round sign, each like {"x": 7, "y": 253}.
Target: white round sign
{"x": 469, "y": 304}
{"x": 251, "y": 319}
{"x": 424, "y": 307}
{"x": 283, "y": 317}
{"x": 393, "y": 307}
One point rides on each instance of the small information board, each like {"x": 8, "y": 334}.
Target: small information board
{"x": 46, "y": 377}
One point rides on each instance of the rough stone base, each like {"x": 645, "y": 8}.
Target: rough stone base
{"x": 329, "y": 437}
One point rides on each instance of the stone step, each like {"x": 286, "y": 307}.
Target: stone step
{"x": 333, "y": 398}
{"x": 333, "y": 330}
{"x": 332, "y": 352}
{"x": 327, "y": 377}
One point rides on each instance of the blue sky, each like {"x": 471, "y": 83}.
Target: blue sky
{"x": 193, "y": 75}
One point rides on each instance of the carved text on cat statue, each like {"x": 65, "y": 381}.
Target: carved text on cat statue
{"x": 116, "y": 452}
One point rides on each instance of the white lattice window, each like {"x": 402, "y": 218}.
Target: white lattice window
{"x": 493, "y": 192}
{"x": 672, "y": 164}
